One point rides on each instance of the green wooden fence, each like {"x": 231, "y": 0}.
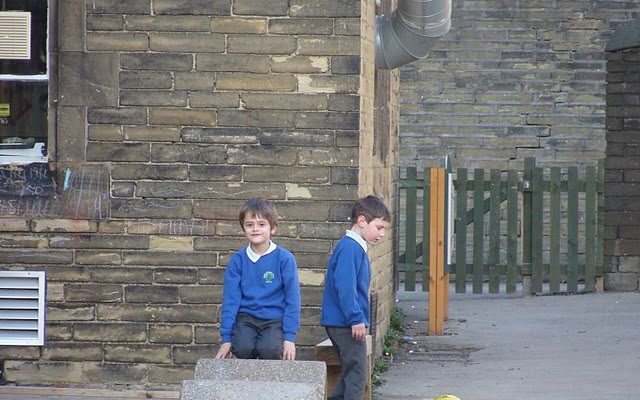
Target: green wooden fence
{"x": 537, "y": 221}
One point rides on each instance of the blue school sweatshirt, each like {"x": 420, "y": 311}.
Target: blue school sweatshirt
{"x": 345, "y": 301}
{"x": 267, "y": 289}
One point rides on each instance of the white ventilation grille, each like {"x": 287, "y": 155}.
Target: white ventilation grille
{"x": 15, "y": 35}
{"x": 22, "y": 305}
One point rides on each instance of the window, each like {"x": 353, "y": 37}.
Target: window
{"x": 24, "y": 81}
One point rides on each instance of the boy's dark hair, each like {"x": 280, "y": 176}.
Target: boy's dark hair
{"x": 258, "y": 207}
{"x": 371, "y": 207}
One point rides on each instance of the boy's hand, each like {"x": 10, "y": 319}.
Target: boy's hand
{"x": 359, "y": 331}
{"x": 224, "y": 351}
{"x": 288, "y": 350}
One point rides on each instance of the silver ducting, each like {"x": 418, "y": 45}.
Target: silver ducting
{"x": 409, "y": 33}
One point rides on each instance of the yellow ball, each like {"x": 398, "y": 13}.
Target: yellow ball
{"x": 447, "y": 397}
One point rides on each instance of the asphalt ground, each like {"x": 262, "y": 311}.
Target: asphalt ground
{"x": 564, "y": 347}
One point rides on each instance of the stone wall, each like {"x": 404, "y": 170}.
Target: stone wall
{"x": 512, "y": 79}
{"x": 169, "y": 115}
{"x": 622, "y": 172}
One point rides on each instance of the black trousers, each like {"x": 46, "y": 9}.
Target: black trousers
{"x": 353, "y": 358}
{"x": 257, "y": 338}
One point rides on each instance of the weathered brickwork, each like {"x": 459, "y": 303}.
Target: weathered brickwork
{"x": 622, "y": 171}
{"x": 181, "y": 110}
{"x": 512, "y": 79}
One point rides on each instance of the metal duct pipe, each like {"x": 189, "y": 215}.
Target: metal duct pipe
{"x": 409, "y": 33}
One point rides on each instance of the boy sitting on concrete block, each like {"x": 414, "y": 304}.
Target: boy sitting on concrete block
{"x": 261, "y": 300}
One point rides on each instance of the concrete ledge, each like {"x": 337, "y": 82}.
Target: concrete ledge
{"x": 249, "y": 390}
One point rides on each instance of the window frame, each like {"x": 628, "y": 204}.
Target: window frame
{"x": 42, "y": 78}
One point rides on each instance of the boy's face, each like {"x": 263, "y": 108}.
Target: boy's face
{"x": 374, "y": 230}
{"x": 257, "y": 230}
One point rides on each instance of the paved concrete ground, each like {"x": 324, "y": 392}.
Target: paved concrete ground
{"x": 550, "y": 347}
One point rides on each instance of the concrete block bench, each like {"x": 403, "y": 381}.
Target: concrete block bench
{"x": 326, "y": 354}
{"x": 232, "y": 379}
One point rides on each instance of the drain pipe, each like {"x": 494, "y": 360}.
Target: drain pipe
{"x": 409, "y": 33}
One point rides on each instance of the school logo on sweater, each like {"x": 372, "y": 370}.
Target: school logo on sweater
{"x": 268, "y": 276}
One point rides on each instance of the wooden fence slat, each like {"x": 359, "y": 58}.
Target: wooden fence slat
{"x": 537, "y": 223}
{"x": 590, "y": 230}
{"x": 440, "y": 273}
{"x": 494, "y": 232}
{"x": 572, "y": 231}
{"x": 554, "y": 234}
{"x": 426, "y": 232}
{"x": 410, "y": 232}
{"x": 527, "y": 202}
{"x": 433, "y": 255}
{"x": 461, "y": 231}
{"x": 478, "y": 229}
{"x": 600, "y": 227}
{"x": 512, "y": 230}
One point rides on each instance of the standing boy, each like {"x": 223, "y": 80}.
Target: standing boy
{"x": 261, "y": 301}
{"x": 345, "y": 303}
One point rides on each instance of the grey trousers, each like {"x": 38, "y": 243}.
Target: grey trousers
{"x": 353, "y": 358}
{"x": 257, "y": 338}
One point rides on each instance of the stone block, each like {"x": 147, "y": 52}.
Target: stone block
{"x": 117, "y": 116}
{"x": 207, "y": 334}
{"x": 93, "y": 293}
{"x": 264, "y": 7}
{"x": 99, "y": 242}
{"x": 154, "y": 61}
{"x": 110, "y": 332}
{"x": 238, "y": 25}
{"x": 145, "y": 80}
{"x": 68, "y": 312}
{"x": 145, "y": 313}
{"x": 257, "y": 44}
{"x": 300, "y": 64}
{"x": 171, "y": 243}
{"x": 72, "y": 352}
{"x": 286, "y": 174}
{"x": 27, "y": 372}
{"x": 192, "y": 7}
{"x": 35, "y": 257}
{"x": 215, "y": 173}
{"x": 255, "y": 82}
{"x": 327, "y": 120}
{"x": 301, "y": 26}
{"x": 194, "y": 80}
{"x": 234, "y": 389}
{"x": 282, "y": 101}
{"x": 117, "y": 41}
{"x": 200, "y": 294}
{"x": 302, "y": 138}
{"x": 191, "y": 153}
{"x": 14, "y": 225}
{"x": 101, "y": 22}
{"x": 621, "y": 281}
{"x": 325, "y": 8}
{"x": 104, "y": 133}
{"x": 187, "y": 42}
{"x": 118, "y": 7}
{"x": 117, "y": 152}
{"x": 136, "y": 353}
{"x": 170, "y": 333}
{"x": 63, "y": 225}
{"x": 181, "y": 116}
{"x": 72, "y": 122}
{"x": 70, "y": 28}
{"x": 150, "y": 208}
{"x": 261, "y": 155}
{"x": 166, "y": 23}
{"x": 150, "y": 171}
{"x": 136, "y": 97}
{"x": 121, "y": 275}
{"x": 169, "y": 374}
{"x": 152, "y": 133}
{"x": 329, "y": 45}
{"x": 328, "y": 84}
{"x": 151, "y": 294}
{"x": 88, "y": 79}
{"x": 256, "y": 118}
{"x": 107, "y": 374}
{"x": 169, "y": 258}
{"x": 214, "y": 100}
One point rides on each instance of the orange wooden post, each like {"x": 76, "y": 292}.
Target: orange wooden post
{"x": 438, "y": 288}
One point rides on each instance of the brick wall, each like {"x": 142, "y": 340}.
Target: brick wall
{"x": 169, "y": 115}
{"x": 622, "y": 172}
{"x": 512, "y": 79}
